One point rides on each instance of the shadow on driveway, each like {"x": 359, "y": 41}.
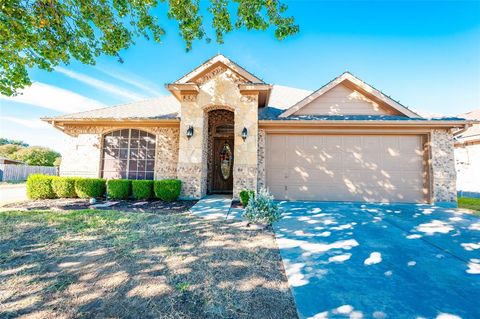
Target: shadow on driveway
{"x": 380, "y": 261}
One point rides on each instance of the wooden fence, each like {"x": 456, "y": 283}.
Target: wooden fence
{"x": 12, "y": 172}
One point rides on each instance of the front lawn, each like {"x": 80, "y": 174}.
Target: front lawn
{"x": 117, "y": 264}
{"x": 470, "y": 203}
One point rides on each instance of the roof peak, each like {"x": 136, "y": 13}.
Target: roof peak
{"x": 218, "y": 58}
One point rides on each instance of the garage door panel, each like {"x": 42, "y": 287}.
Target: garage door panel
{"x": 346, "y": 167}
{"x": 276, "y": 176}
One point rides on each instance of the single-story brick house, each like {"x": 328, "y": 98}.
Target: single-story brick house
{"x": 223, "y": 129}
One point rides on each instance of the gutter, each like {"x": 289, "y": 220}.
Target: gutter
{"x": 60, "y": 123}
{"x": 370, "y": 123}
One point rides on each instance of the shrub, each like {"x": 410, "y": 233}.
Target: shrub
{"x": 261, "y": 208}
{"x": 118, "y": 188}
{"x": 142, "y": 189}
{"x": 245, "y": 195}
{"x": 167, "y": 189}
{"x": 89, "y": 187}
{"x": 64, "y": 187}
{"x": 39, "y": 186}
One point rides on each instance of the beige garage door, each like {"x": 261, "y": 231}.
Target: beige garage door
{"x": 373, "y": 168}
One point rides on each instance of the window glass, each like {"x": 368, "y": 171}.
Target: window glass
{"x": 128, "y": 153}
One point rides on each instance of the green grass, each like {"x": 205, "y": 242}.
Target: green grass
{"x": 470, "y": 203}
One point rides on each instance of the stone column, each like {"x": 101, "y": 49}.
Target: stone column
{"x": 261, "y": 171}
{"x": 191, "y": 154}
{"x": 245, "y": 154}
{"x": 443, "y": 167}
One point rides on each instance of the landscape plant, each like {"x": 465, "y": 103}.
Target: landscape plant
{"x": 63, "y": 187}
{"x": 245, "y": 195}
{"x": 167, "y": 189}
{"x": 262, "y": 208}
{"x": 39, "y": 186}
{"x": 90, "y": 187}
{"x": 142, "y": 189}
{"x": 118, "y": 188}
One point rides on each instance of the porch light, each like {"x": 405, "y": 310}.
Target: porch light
{"x": 244, "y": 133}
{"x": 190, "y": 131}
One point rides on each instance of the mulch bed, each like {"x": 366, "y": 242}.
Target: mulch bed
{"x": 152, "y": 206}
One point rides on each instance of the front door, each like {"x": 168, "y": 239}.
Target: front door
{"x": 222, "y": 165}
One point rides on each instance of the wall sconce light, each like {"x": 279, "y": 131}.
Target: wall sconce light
{"x": 244, "y": 133}
{"x": 190, "y": 131}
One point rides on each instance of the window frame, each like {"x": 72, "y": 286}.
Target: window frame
{"x": 126, "y": 173}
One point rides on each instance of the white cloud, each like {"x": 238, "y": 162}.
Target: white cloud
{"x": 134, "y": 80}
{"x": 54, "y": 98}
{"x": 101, "y": 85}
{"x": 31, "y": 123}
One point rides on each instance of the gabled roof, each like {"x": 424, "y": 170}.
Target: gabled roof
{"x": 168, "y": 107}
{"x": 470, "y": 135}
{"x": 347, "y": 76}
{"x": 164, "y": 107}
{"x": 213, "y": 62}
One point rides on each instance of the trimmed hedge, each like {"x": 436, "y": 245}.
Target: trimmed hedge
{"x": 142, "y": 189}
{"x": 39, "y": 186}
{"x": 118, "y": 188}
{"x": 168, "y": 189}
{"x": 64, "y": 187}
{"x": 90, "y": 187}
{"x": 245, "y": 195}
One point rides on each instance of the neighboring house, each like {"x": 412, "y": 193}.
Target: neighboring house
{"x": 224, "y": 130}
{"x": 4, "y": 160}
{"x": 467, "y": 157}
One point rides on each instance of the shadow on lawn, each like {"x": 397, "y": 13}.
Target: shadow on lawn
{"x": 132, "y": 265}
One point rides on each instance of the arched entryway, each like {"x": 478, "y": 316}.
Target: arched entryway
{"x": 220, "y": 151}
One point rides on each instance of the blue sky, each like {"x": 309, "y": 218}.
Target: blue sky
{"x": 426, "y": 54}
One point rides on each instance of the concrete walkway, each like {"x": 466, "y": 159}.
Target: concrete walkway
{"x": 212, "y": 207}
{"x": 347, "y": 260}
{"x": 217, "y": 207}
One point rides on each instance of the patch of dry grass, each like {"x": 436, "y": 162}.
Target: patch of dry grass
{"x": 116, "y": 264}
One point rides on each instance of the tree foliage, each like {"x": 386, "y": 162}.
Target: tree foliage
{"x": 5, "y": 141}
{"x": 30, "y": 155}
{"x": 46, "y": 33}
{"x": 8, "y": 150}
{"x": 36, "y": 155}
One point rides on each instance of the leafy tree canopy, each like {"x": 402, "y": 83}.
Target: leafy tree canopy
{"x": 4, "y": 141}
{"x": 36, "y": 155}
{"x": 30, "y": 155}
{"x": 45, "y": 33}
{"x": 7, "y": 150}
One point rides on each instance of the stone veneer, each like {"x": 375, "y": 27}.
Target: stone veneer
{"x": 83, "y": 155}
{"x": 261, "y": 169}
{"x": 217, "y": 90}
{"x": 443, "y": 173}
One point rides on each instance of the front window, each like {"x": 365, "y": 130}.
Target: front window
{"x": 128, "y": 153}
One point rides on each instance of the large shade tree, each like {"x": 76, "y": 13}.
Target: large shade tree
{"x": 46, "y": 33}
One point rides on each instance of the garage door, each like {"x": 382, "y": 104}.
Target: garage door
{"x": 372, "y": 168}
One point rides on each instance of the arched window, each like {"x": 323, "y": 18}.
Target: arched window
{"x": 128, "y": 153}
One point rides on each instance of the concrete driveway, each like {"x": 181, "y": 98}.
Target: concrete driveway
{"x": 11, "y": 193}
{"x": 347, "y": 260}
